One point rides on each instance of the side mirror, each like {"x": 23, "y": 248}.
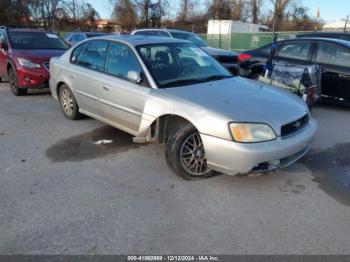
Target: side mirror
{"x": 135, "y": 77}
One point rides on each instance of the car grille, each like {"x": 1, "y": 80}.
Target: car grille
{"x": 47, "y": 65}
{"x": 227, "y": 59}
{"x": 294, "y": 127}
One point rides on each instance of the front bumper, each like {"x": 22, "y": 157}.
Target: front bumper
{"x": 33, "y": 78}
{"x": 236, "y": 158}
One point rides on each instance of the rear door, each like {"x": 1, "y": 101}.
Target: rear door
{"x": 86, "y": 74}
{"x": 122, "y": 100}
{"x": 335, "y": 65}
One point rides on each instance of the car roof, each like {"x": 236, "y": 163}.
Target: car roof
{"x": 319, "y": 39}
{"x": 29, "y": 30}
{"x": 325, "y": 33}
{"x": 135, "y": 40}
{"x": 163, "y": 29}
{"x": 87, "y": 33}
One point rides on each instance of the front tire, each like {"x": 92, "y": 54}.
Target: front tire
{"x": 185, "y": 153}
{"x": 14, "y": 84}
{"x": 69, "y": 104}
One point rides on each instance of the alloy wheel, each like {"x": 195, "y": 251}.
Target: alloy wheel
{"x": 192, "y": 156}
{"x": 67, "y": 102}
{"x": 13, "y": 81}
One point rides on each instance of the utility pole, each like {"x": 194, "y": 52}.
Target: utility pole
{"x": 346, "y": 23}
{"x": 318, "y": 16}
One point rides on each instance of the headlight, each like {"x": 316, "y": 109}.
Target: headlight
{"x": 252, "y": 133}
{"x": 27, "y": 64}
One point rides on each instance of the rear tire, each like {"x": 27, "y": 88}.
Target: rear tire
{"x": 185, "y": 153}
{"x": 14, "y": 84}
{"x": 68, "y": 103}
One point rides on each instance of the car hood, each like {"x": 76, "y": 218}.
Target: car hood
{"x": 39, "y": 55}
{"x": 219, "y": 52}
{"x": 242, "y": 100}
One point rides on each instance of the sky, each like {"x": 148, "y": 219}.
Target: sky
{"x": 331, "y": 10}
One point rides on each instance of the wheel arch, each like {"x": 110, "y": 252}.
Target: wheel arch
{"x": 10, "y": 65}
{"x": 59, "y": 86}
{"x": 165, "y": 125}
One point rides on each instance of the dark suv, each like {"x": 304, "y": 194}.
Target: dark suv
{"x": 25, "y": 56}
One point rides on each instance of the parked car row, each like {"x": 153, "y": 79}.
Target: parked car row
{"x": 171, "y": 91}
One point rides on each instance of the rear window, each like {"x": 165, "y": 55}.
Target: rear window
{"x": 36, "y": 40}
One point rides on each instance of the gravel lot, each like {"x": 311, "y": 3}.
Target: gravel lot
{"x": 62, "y": 194}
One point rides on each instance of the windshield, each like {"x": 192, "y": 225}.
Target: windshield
{"x": 177, "y": 64}
{"x": 36, "y": 40}
{"x": 190, "y": 37}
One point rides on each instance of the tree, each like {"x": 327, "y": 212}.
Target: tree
{"x": 44, "y": 12}
{"x": 75, "y": 9}
{"x": 125, "y": 12}
{"x": 255, "y": 10}
{"x": 219, "y": 9}
{"x": 16, "y": 12}
{"x": 279, "y": 13}
{"x": 151, "y": 12}
{"x": 90, "y": 15}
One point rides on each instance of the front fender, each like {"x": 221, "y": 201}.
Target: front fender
{"x": 206, "y": 122}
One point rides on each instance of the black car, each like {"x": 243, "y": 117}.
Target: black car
{"x": 336, "y": 35}
{"x": 73, "y": 38}
{"x": 332, "y": 55}
{"x": 227, "y": 58}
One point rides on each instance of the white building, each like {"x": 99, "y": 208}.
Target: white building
{"x": 336, "y": 26}
{"x": 225, "y": 27}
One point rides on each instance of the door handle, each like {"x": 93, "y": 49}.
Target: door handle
{"x": 105, "y": 88}
{"x": 71, "y": 76}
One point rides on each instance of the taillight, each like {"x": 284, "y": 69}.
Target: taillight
{"x": 243, "y": 57}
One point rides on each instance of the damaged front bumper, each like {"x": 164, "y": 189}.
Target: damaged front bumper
{"x": 235, "y": 158}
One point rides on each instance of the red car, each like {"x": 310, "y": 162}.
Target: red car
{"x": 25, "y": 57}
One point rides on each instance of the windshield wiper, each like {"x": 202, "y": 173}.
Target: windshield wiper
{"x": 194, "y": 80}
{"x": 180, "y": 82}
{"x": 214, "y": 77}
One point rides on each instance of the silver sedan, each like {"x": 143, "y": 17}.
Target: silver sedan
{"x": 170, "y": 91}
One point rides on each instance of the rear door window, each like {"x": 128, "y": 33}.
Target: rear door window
{"x": 295, "y": 50}
{"x": 333, "y": 55}
{"x": 92, "y": 56}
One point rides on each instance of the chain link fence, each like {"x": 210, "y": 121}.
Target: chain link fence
{"x": 245, "y": 41}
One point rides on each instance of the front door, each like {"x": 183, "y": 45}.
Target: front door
{"x": 122, "y": 100}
